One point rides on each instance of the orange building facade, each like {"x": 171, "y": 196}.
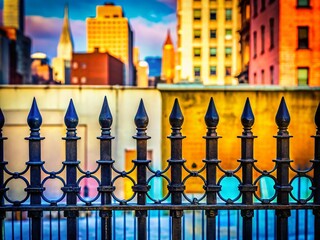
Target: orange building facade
{"x": 285, "y": 42}
{"x": 96, "y": 69}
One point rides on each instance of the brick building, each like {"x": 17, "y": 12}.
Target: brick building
{"x": 96, "y": 69}
{"x": 285, "y": 42}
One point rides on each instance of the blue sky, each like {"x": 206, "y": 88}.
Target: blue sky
{"x": 149, "y": 20}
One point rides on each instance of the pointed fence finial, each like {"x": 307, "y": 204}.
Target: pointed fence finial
{"x": 317, "y": 118}
{"x": 176, "y": 118}
{"x": 105, "y": 117}
{"x": 141, "y": 119}
{"x": 247, "y": 117}
{"x": 34, "y": 118}
{"x": 71, "y": 118}
{"x": 283, "y": 116}
{"x": 2, "y": 120}
{"x": 211, "y": 118}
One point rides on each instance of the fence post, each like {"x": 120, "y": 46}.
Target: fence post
{"x": 176, "y": 186}
{"x": 316, "y": 175}
{"x": 211, "y": 187}
{"x": 141, "y": 188}
{"x": 2, "y": 166}
{"x": 282, "y": 187}
{"x": 105, "y": 162}
{"x": 247, "y": 188}
{"x": 35, "y": 188}
{"x": 71, "y": 188}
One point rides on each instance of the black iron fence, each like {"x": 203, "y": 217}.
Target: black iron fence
{"x": 176, "y": 200}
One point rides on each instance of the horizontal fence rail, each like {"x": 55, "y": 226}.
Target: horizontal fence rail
{"x": 74, "y": 200}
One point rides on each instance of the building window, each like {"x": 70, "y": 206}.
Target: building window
{"x": 255, "y": 78}
{"x": 228, "y": 14}
{"x": 197, "y": 71}
{"x": 255, "y": 44}
{"x": 196, "y": 14}
{"x": 213, "y": 52}
{"x": 262, "y": 77}
{"x": 213, "y": 14}
{"x": 197, "y": 33}
{"x": 262, "y": 38}
{"x": 228, "y": 71}
{"x": 213, "y": 33}
{"x": 271, "y": 75}
{"x": 228, "y": 51}
{"x": 303, "y": 3}
{"x": 228, "y": 35}
{"x": 263, "y": 5}
{"x": 303, "y": 37}
{"x": 255, "y": 8}
{"x": 303, "y": 76}
{"x": 75, "y": 65}
{"x": 74, "y": 80}
{"x": 213, "y": 70}
{"x": 83, "y": 80}
{"x": 271, "y": 23}
{"x": 197, "y": 52}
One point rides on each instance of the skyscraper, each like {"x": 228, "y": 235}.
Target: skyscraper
{"x": 285, "y": 42}
{"x": 110, "y": 32}
{"x": 207, "y": 41}
{"x": 61, "y": 64}
{"x": 168, "y": 64}
{"x": 13, "y": 22}
{"x": 13, "y": 14}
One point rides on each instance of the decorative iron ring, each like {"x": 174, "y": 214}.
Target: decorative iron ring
{"x": 229, "y": 201}
{"x": 123, "y": 201}
{"x": 63, "y": 193}
{"x": 165, "y": 197}
{"x": 88, "y": 202}
{"x": 7, "y": 189}
{"x": 302, "y": 201}
{"x": 195, "y": 200}
{"x": 265, "y": 200}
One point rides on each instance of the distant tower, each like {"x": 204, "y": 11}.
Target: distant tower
{"x": 167, "y": 69}
{"x": 61, "y": 64}
{"x": 13, "y": 14}
{"x": 65, "y": 46}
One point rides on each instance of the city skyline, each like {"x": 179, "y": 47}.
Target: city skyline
{"x": 149, "y": 20}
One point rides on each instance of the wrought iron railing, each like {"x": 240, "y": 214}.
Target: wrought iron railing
{"x": 176, "y": 200}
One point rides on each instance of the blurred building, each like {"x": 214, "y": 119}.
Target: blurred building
{"x": 168, "y": 60}
{"x": 41, "y": 71}
{"x": 142, "y": 74}
{"x": 13, "y": 22}
{"x": 244, "y": 31}
{"x": 13, "y": 14}
{"x": 61, "y": 64}
{"x": 96, "y": 68}
{"x": 285, "y": 42}
{"x": 4, "y": 57}
{"x": 110, "y": 32}
{"x": 207, "y": 49}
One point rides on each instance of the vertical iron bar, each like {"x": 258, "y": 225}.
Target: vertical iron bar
{"x": 266, "y": 224}
{"x": 193, "y": 225}
{"x": 2, "y": 166}
{"x": 159, "y": 225}
{"x": 141, "y": 188}
{"x": 71, "y": 188}
{"x": 247, "y": 188}
{"x": 59, "y": 225}
{"x": 176, "y": 186}
{"x": 316, "y": 175}
{"x": 283, "y": 161}
{"x": 105, "y": 162}
{"x": 229, "y": 223}
{"x": 35, "y": 188}
{"x": 211, "y": 187}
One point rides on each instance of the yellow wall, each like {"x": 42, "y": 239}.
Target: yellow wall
{"x": 229, "y": 103}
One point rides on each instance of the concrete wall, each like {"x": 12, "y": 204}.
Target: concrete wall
{"x": 302, "y": 104}
{"x": 53, "y": 101}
